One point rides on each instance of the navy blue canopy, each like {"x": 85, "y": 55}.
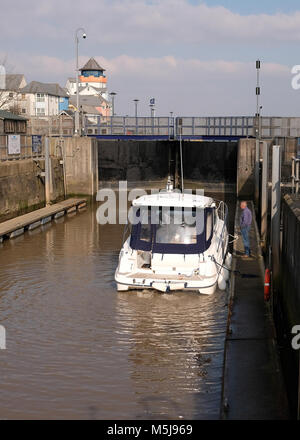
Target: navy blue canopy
{"x": 144, "y": 236}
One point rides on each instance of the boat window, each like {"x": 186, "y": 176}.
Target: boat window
{"x": 145, "y": 233}
{"x": 176, "y": 226}
{"x": 209, "y": 224}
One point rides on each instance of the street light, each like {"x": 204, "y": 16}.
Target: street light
{"x": 152, "y": 110}
{"x": 136, "y": 106}
{"x": 113, "y": 94}
{"x": 77, "y": 128}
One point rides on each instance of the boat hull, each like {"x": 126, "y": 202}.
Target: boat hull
{"x": 205, "y": 287}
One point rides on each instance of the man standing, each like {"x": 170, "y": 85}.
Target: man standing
{"x": 245, "y": 224}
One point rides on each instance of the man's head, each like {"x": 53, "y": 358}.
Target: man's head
{"x": 243, "y": 204}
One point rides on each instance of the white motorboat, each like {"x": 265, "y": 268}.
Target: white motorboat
{"x": 178, "y": 242}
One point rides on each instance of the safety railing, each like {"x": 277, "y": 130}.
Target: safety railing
{"x": 128, "y": 126}
{"x": 52, "y": 126}
{"x": 215, "y": 126}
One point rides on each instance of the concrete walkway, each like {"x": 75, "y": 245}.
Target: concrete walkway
{"x": 253, "y": 385}
{"x": 33, "y": 218}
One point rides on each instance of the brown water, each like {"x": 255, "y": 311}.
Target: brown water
{"x": 78, "y": 349}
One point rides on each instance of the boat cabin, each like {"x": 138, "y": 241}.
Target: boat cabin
{"x": 181, "y": 224}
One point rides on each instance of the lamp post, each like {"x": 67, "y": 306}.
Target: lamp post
{"x": 152, "y": 110}
{"x": 172, "y": 120}
{"x": 136, "y": 106}
{"x": 113, "y": 94}
{"x": 77, "y": 126}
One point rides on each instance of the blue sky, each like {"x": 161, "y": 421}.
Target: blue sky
{"x": 254, "y": 6}
{"x": 195, "y": 57}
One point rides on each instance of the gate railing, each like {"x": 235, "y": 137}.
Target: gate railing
{"x": 128, "y": 126}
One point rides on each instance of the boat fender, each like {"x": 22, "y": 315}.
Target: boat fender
{"x": 228, "y": 260}
{"x": 267, "y": 285}
{"x": 221, "y": 282}
{"x": 225, "y": 273}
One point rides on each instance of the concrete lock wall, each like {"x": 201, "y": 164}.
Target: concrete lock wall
{"x": 140, "y": 161}
{"x": 245, "y": 168}
{"x": 290, "y": 261}
{"x": 23, "y": 189}
{"x": 246, "y": 163}
{"x": 211, "y": 162}
{"x": 133, "y": 161}
{"x": 81, "y": 165}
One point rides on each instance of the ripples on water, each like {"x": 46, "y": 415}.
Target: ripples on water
{"x": 78, "y": 349}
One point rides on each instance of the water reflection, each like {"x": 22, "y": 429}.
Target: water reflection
{"x": 78, "y": 349}
{"x": 176, "y": 346}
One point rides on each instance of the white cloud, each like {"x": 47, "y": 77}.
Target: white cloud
{"x": 137, "y": 21}
{"x": 147, "y": 47}
{"x": 184, "y": 86}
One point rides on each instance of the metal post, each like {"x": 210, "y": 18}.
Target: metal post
{"x": 136, "y": 115}
{"x": 136, "y": 107}
{"x": 113, "y": 94}
{"x": 297, "y": 176}
{"x": 257, "y": 152}
{"x": 47, "y": 171}
{"x": 264, "y": 194}
{"x": 293, "y": 175}
{"x": 275, "y": 208}
{"x": 181, "y": 161}
{"x": 77, "y": 88}
{"x": 77, "y": 119}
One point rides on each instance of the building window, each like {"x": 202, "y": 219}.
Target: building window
{"x": 23, "y": 110}
{"x": 9, "y": 126}
{"x": 21, "y": 127}
{"x": 40, "y": 112}
{"x": 40, "y": 97}
{"x": 11, "y": 95}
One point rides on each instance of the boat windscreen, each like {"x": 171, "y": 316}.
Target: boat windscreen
{"x": 177, "y": 227}
{"x": 174, "y": 230}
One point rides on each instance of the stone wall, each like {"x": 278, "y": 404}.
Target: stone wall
{"x": 81, "y": 164}
{"x": 22, "y": 189}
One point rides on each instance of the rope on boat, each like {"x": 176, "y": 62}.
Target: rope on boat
{"x": 235, "y": 272}
{"x": 235, "y": 238}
